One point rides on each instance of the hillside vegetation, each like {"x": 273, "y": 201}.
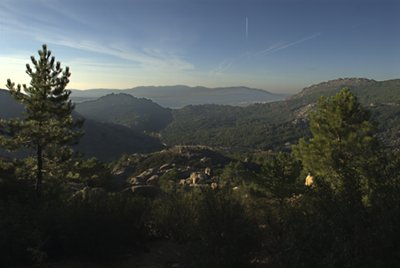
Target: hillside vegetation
{"x": 126, "y": 110}
{"x": 104, "y": 140}
{"x": 277, "y": 125}
{"x": 270, "y": 126}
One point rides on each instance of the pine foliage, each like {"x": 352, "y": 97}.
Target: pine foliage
{"x": 343, "y": 149}
{"x": 48, "y": 127}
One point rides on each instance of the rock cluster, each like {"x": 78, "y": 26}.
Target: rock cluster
{"x": 184, "y": 176}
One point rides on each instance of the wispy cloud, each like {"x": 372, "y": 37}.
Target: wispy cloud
{"x": 227, "y": 64}
{"x": 138, "y": 55}
{"x": 269, "y": 49}
{"x": 281, "y": 46}
{"x": 144, "y": 58}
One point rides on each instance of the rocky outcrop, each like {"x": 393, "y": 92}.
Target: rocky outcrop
{"x": 183, "y": 176}
{"x": 153, "y": 180}
{"x": 180, "y": 166}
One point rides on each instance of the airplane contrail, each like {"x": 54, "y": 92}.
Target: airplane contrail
{"x": 281, "y": 46}
{"x": 247, "y": 28}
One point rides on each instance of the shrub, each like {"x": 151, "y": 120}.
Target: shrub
{"x": 213, "y": 225}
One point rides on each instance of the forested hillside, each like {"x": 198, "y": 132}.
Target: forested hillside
{"x": 104, "y": 140}
{"x": 126, "y": 110}
{"x": 275, "y": 125}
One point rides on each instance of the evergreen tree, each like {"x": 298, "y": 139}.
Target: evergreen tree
{"x": 343, "y": 150}
{"x": 281, "y": 172}
{"x": 47, "y": 128}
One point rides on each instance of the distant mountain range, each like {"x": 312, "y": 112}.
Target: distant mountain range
{"x": 119, "y": 123}
{"x": 180, "y": 96}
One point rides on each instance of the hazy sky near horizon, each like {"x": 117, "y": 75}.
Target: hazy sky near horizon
{"x": 279, "y": 46}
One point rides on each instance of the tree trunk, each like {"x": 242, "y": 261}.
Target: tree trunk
{"x": 39, "y": 172}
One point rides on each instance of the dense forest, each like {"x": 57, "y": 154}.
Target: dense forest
{"x": 279, "y": 125}
{"x": 329, "y": 198}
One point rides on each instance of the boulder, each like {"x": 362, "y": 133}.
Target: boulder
{"x": 166, "y": 171}
{"x": 195, "y": 177}
{"x": 142, "y": 178}
{"x": 122, "y": 172}
{"x": 309, "y": 181}
{"x": 137, "y": 180}
{"x": 153, "y": 180}
{"x": 205, "y": 160}
{"x": 214, "y": 185}
{"x": 165, "y": 167}
{"x": 147, "y": 173}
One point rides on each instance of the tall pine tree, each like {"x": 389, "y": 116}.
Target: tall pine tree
{"x": 343, "y": 150}
{"x": 47, "y": 128}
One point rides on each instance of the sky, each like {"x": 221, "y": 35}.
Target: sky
{"x": 276, "y": 45}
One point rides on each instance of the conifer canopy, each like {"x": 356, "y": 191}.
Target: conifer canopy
{"x": 47, "y": 127}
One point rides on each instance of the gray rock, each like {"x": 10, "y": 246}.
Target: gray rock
{"x": 214, "y": 185}
{"x": 153, "y": 180}
{"x": 205, "y": 160}
{"x": 208, "y": 171}
{"x": 147, "y": 174}
{"x": 195, "y": 177}
{"x": 137, "y": 180}
{"x": 165, "y": 167}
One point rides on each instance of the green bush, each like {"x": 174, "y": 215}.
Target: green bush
{"x": 213, "y": 225}
{"x": 173, "y": 216}
{"x": 225, "y": 236}
{"x": 98, "y": 227}
{"x": 18, "y": 232}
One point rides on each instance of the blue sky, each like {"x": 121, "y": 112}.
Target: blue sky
{"x": 279, "y": 46}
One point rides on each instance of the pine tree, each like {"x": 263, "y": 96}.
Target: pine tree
{"x": 343, "y": 150}
{"x": 47, "y": 128}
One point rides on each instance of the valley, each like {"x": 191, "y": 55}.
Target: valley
{"x": 263, "y": 126}
{"x": 120, "y": 123}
